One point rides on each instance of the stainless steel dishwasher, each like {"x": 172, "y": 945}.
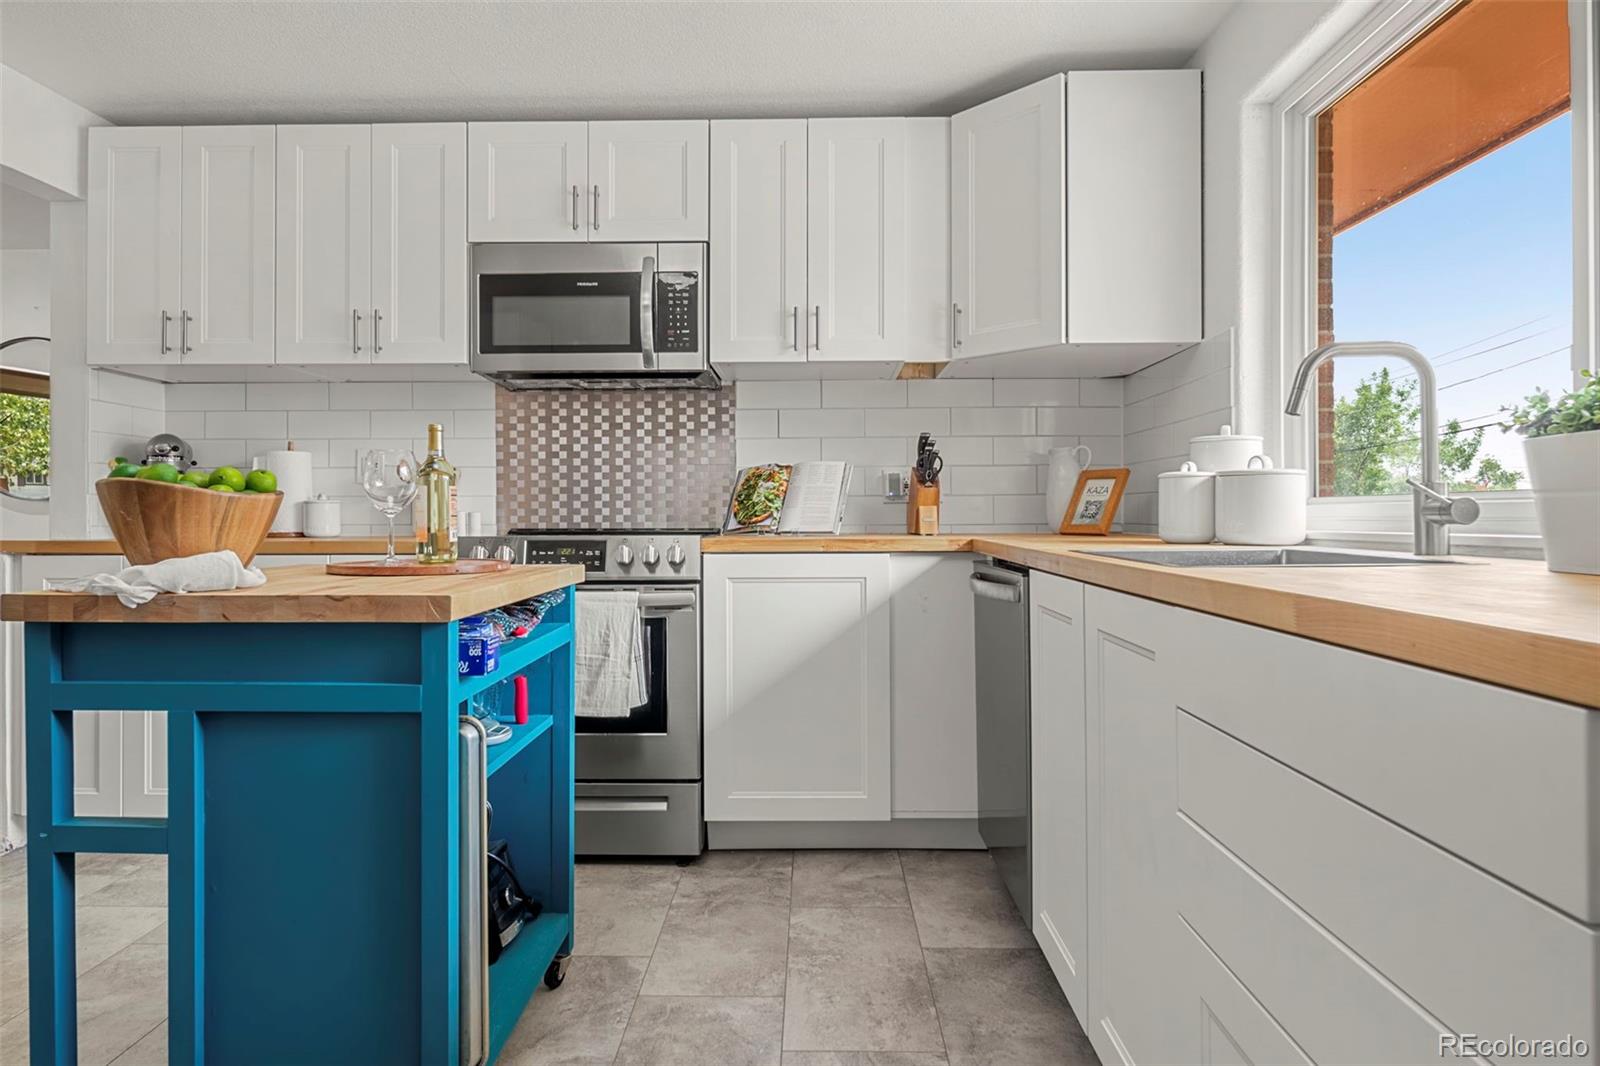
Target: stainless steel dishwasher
{"x": 1001, "y": 621}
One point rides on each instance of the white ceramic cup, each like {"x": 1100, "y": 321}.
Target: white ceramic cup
{"x": 1186, "y": 505}
{"x": 321, "y": 517}
{"x": 1261, "y": 504}
{"x": 1226, "y": 450}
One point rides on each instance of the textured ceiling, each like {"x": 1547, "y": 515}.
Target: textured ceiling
{"x": 376, "y": 60}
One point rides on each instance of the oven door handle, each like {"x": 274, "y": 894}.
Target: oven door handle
{"x": 619, "y": 803}
{"x": 669, "y": 601}
{"x": 647, "y": 312}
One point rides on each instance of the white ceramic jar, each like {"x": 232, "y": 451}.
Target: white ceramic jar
{"x": 1261, "y": 504}
{"x": 1186, "y": 505}
{"x": 321, "y": 517}
{"x": 1226, "y": 450}
{"x": 1061, "y": 479}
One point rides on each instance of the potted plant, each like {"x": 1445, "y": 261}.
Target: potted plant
{"x": 1562, "y": 442}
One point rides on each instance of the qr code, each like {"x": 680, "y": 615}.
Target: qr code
{"x": 1091, "y": 509}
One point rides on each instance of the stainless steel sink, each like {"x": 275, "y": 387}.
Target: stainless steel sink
{"x": 1268, "y": 557}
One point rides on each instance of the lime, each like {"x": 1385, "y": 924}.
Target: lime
{"x": 219, "y": 487}
{"x": 262, "y": 481}
{"x": 125, "y": 469}
{"x": 159, "y": 472}
{"x": 251, "y": 492}
{"x": 229, "y": 476}
{"x": 198, "y": 478}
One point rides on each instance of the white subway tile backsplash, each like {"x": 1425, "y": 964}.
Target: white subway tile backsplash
{"x": 1013, "y": 450}
{"x": 979, "y": 451}
{"x": 247, "y": 424}
{"x": 186, "y": 424}
{"x": 755, "y": 422}
{"x": 413, "y": 424}
{"x": 1080, "y": 421}
{"x": 970, "y": 392}
{"x": 205, "y": 398}
{"x": 782, "y": 394}
{"x": 291, "y": 396}
{"x": 823, "y": 422}
{"x": 211, "y": 453}
{"x": 467, "y": 452}
{"x": 994, "y": 421}
{"x": 1019, "y": 510}
{"x": 966, "y": 510}
{"x": 908, "y": 421}
{"x": 1104, "y": 451}
{"x": 755, "y": 451}
{"x": 129, "y": 390}
{"x": 868, "y": 451}
{"x": 993, "y": 480}
{"x": 370, "y": 396}
{"x": 863, "y": 394}
{"x": 1100, "y": 392}
{"x": 1036, "y": 392}
{"x": 474, "y": 423}
{"x": 471, "y": 395}
{"x": 331, "y": 424}
{"x": 110, "y": 417}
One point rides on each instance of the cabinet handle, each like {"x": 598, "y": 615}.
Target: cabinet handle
{"x": 596, "y": 219}
{"x": 955, "y": 324}
{"x": 818, "y": 344}
{"x": 355, "y": 332}
{"x": 794, "y": 327}
{"x": 377, "y": 332}
{"x": 165, "y": 347}
{"x": 574, "y": 209}
{"x": 183, "y": 333}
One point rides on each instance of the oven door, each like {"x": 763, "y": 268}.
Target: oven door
{"x": 660, "y": 739}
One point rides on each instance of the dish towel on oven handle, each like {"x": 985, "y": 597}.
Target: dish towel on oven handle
{"x": 609, "y": 654}
{"x": 135, "y": 585}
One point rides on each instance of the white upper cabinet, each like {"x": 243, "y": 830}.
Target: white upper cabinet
{"x": 324, "y": 244}
{"x": 855, "y": 246}
{"x": 419, "y": 243}
{"x": 758, "y": 240}
{"x": 529, "y": 181}
{"x": 228, "y": 244}
{"x": 134, "y": 244}
{"x": 1075, "y": 218}
{"x": 1007, "y": 239}
{"x": 649, "y": 181}
{"x": 928, "y": 311}
{"x": 1133, "y": 207}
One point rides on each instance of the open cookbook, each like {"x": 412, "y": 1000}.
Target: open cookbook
{"x": 788, "y": 498}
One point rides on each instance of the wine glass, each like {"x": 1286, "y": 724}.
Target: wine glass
{"x": 389, "y": 478}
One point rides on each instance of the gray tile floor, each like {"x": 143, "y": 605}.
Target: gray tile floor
{"x": 809, "y": 958}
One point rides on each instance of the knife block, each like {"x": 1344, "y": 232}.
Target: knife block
{"x": 922, "y": 507}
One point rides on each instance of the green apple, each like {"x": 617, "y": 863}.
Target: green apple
{"x": 229, "y": 476}
{"x": 261, "y": 481}
{"x": 158, "y": 472}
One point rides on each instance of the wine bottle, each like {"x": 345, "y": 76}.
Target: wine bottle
{"x": 436, "y": 533}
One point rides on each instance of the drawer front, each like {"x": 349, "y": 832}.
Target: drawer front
{"x": 1480, "y": 955}
{"x": 1509, "y": 782}
{"x": 1232, "y": 1028}
{"x": 638, "y": 818}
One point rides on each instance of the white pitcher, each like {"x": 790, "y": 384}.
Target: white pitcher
{"x": 1063, "y": 478}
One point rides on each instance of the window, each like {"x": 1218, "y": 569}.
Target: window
{"x": 24, "y": 427}
{"x": 1444, "y": 218}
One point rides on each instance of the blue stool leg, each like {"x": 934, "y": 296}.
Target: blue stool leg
{"x": 52, "y": 920}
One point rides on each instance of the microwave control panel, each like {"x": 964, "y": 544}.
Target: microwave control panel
{"x": 677, "y": 312}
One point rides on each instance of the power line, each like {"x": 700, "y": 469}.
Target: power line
{"x": 1508, "y": 366}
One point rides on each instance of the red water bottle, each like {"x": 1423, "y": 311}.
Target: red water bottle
{"x": 520, "y": 684}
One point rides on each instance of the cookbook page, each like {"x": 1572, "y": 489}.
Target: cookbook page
{"x": 757, "y": 499}
{"x": 815, "y": 501}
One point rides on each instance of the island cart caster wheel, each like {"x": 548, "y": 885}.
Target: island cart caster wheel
{"x": 557, "y": 971}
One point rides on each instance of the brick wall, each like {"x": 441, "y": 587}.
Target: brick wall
{"x": 1325, "y": 452}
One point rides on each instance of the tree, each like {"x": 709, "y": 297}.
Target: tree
{"x": 24, "y": 436}
{"x": 1376, "y": 446}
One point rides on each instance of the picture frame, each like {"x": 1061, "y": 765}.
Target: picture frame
{"x": 1095, "y": 500}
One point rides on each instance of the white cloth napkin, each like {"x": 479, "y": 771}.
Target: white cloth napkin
{"x": 211, "y": 572}
{"x": 609, "y": 654}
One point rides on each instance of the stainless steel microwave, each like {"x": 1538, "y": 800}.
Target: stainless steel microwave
{"x": 590, "y": 314}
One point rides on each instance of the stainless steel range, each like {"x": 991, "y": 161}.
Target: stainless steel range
{"x": 639, "y": 776}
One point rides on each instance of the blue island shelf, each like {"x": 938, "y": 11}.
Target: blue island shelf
{"x": 313, "y": 809}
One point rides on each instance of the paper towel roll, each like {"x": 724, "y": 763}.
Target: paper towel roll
{"x": 294, "y": 481}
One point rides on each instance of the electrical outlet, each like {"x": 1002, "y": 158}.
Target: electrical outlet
{"x": 895, "y": 485}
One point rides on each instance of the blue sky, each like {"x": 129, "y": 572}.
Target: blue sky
{"x": 1470, "y": 263}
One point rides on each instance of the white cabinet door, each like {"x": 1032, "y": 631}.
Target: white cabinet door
{"x": 758, "y": 240}
{"x": 797, "y": 712}
{"x": 135, "y": 246}
{"x": 1059, "y": 744}
{"x": 528, "y": 181}
{"x": 419, "y": 243}
{"x": 928, "y": 312}
{"x": 144, "y": 764}
{"x": 1133, "y": 206}
{"x": 324, "y": 244}
{"x": 1007, "y": 235}
{"x": 649, "y": 181}
{"x": 228, "y": 245}
{"x": 934, "y": 693}
{"x": 1131, "y": 709}
{"x": 856, "y": 241}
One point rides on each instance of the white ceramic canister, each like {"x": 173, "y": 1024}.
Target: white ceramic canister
{"x": 1186, "y": 505}
{"x": 321, "y": 517}
{"x": 1061, "y": 478}
{"x": 1261, "y": 504}
{"x": 293, "y": 470}
{"x": 1226, "y": 450}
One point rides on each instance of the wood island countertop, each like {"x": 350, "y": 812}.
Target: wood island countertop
{"x": 295, "y": 545}
{"x": 307, "y": 594}
{"x": 1507, "y": 622}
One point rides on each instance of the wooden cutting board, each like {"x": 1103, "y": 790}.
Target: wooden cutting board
{"x": 412, "y": 568}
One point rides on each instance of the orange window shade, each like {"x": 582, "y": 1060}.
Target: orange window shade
{"x": 1488, "y": 72}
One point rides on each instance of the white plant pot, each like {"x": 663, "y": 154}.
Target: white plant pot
{"x": 1564, "y": 470}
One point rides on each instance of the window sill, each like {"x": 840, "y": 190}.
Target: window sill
{"x": 1462, "y": 542}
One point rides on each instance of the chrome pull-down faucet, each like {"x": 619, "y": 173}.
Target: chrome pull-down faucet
{"x": 1433, "y": 509}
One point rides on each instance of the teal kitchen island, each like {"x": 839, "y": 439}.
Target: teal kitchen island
{"x": 315, "y": 815}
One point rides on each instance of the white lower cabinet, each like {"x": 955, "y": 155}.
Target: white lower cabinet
{"x": 935, "y": 711}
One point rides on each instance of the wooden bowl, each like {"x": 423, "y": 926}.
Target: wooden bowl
{"x": 156, "y": 520}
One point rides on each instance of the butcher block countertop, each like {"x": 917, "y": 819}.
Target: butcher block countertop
{"x": 270, "y": 546}
{"x": 307, "y": 594}
{"x": 1507, "y": 622}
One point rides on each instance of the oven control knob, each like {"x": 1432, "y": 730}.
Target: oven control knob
{"x": 675, "y": 556}
{"x": 624, "y": 555}
{"x": 505, "y": 553}
{"x": 652, "y": 557}
{"x": 479, "y": 551}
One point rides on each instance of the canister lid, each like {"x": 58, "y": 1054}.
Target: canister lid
{"x": 1187, "y": 470}
{"x": 1259, "y": 466}
{"x": 1227, "y": 433}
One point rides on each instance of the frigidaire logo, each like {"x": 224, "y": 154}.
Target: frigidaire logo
{"x": 588, "y": 284}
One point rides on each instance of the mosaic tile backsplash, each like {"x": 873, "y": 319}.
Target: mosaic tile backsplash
{"x": 624, "y": 459}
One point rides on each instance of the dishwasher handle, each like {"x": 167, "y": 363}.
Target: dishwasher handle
{"x": 992, "y": 583}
